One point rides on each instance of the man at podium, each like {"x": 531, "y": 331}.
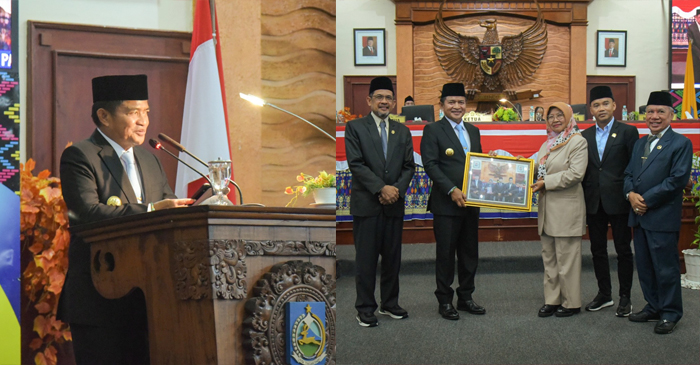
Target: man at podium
{"x": 105, "y": 176}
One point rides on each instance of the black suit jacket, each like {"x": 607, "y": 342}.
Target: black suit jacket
{"x": 91, "y": 173}
{"x": 366, "y": 51}
{"x": 660, "y": 181}
{"x": 605, "y": 178}
{"x": 371, "y": 171}
{"x": 446, "y": 171}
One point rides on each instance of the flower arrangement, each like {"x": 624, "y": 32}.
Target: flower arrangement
{"x": 505, "y": 114}
{"x": 309, "y": 184}
{"x": 44, "y": 233}
{"x": 695, "y": 192}
{"x": 344, "y": 115}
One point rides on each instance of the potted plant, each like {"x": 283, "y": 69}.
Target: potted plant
{"x": 322, "y": 187}
{"x": 692, "y": 255}
{"x": 505, "y": 114}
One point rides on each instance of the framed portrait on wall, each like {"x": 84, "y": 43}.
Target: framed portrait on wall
{"x": 500, "y": 182}
{"x": 370, "y": 47}
{"x": 611, "y": 48}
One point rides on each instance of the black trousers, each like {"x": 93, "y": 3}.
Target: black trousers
{"x": 456, "y": 235}
{"x": 375, "y": 236}
{"x": 622, "y": 237}
{"x": 659, "y": 272}
{"x": 94, "y": 345}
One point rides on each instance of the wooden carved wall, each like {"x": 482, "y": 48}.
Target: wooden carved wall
{"x": 298, "y": 74}
{"x": 562, "y": 75}
{"x": 552, "y": 77}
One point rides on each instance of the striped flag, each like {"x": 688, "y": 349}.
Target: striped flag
{"x": 689, "y": 106}
{"x": 204, "y": 121}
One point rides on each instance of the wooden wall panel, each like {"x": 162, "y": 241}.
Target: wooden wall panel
{"x": 552, "y": 76}
{"x": 298, "y": 74}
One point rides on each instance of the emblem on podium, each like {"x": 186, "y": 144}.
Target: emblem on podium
{"x": 306, "y": 333}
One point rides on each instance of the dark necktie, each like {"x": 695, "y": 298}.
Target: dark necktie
{"x": 647, "y": 148}
{"x": 382, "y": 125}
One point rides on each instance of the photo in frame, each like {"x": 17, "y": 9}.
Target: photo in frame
{"x": 611, "y": 48}
{"x": 370, "y": 47}
{"x": 500, "y": 182}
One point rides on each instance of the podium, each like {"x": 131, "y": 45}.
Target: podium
{"x": 210, "y": 274}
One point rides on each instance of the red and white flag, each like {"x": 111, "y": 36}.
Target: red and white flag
{"x": 204, "y": 121}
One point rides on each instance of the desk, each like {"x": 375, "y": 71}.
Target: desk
{"x": 514, "y": 138}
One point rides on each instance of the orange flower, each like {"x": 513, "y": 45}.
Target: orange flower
{"x": 288, "y": 190}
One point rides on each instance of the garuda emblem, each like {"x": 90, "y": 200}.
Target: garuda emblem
{"x": 490, "y": 65}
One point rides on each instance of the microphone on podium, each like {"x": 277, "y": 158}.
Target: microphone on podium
{"x": 155, "y": 144}
{"x": 182, "y": 148}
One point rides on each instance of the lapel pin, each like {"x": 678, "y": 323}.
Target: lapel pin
{"x": 449, "y": 152}
{"x": 114, "y": 201}
{"x": 393, "y": 132}
{"x": 614, "y": 135}
{"x": 658, "y": 147}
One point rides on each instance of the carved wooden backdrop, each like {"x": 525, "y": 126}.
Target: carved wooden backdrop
{"x": 298, "y": 74}
{"x": 552, "y": 76}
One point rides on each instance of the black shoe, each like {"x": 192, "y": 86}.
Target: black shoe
{"x": 664, "y": 327}
{"x": 470, "y": 306}
{"x": 395, "y": 312}
{"x": 547, "y": 310}
{"x": 447, "y": 311}
{"x": 625, "y": 307}
{"x": 366, "y": 319}
{"x": 567, "y": 312}
{"x": 644, "y": 317}
{"x": 601, "y": 301}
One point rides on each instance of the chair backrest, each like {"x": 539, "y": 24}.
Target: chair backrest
{"x": 642, "y": 109}
{"x": 579, "y": 108}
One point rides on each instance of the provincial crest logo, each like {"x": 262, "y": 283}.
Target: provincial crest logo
{"x": 306, "y": 333}
{"x": 491, "y": 58}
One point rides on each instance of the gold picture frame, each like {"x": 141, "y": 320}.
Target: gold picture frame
{"x": 500, "y": 182}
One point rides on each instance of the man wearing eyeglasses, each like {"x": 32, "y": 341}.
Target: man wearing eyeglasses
{"x": 444, "y": 149}
{"x": 380, "y": 158}
{"x": 654, "y": 180}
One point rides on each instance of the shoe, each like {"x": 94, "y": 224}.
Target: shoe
{"x": 625, "y": 307}
{"x": 644, "y": 317}
{"x": 547, "y": 310}
{"x": 447, "y": 311}
{"x": 567, "y": 312}
{"x": 395, "y": 313}
{"x": 664, "y": 327}
{"x": 601, "y": 301}
{"x": 470, "y": 306}
{"x": 367, "y": 319}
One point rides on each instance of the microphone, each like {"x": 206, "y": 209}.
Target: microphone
{"x": 155, "y": 144}
{"x": 182, "y": 148}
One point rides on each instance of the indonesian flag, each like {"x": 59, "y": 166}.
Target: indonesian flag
{"x": 204, "y": 121}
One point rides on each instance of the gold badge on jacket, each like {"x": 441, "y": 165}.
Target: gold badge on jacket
{"x": 114, "y": 201}
{"x": 658, "y": 147}
{"x": 393, "y": 132}
{"x": 449, "y": 152}
{"x": 614, "y": 135}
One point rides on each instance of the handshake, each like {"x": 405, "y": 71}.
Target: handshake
{"x": 388, "y": 195}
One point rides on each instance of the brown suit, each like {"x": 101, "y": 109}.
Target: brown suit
{"x": 561, "y": 222}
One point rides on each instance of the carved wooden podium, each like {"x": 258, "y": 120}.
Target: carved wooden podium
{"x": 198, "y": 266}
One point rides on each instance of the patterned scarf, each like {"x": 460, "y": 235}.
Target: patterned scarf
{"x": 558, "y": 140}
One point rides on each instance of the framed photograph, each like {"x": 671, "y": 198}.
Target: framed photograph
{"x": 684, "y": 16}
{"x": 611, "y": 49}
{"x": 370, "y": 47}
{"x": 500, "y": 182}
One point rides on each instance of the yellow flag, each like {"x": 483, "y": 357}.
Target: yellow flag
{"x": 689, "y": 107}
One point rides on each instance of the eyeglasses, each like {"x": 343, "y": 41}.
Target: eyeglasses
{"x": 388, "y": 98}
{"x": 553, "y": 117}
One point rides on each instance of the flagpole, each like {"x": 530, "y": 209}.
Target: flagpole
{"x": 212, "y": 8}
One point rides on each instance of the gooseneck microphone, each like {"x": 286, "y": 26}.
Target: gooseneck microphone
{"x": 155, "y": 144}
{"x": 182, "y": 148}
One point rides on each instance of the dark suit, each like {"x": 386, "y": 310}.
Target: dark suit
{"x": 605, "y": 203}
{"x": 377, "y": 228}
{"x": 367, "y": 52}
{"x": 660, "y": 182}
{"x": 614, "y": 53}
{"x": 91, "y": 173}
{"x": 456, "y": 229}
{"x": 694, "y": 35}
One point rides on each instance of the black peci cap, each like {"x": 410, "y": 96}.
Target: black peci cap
{"x": 119, "y": 87}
